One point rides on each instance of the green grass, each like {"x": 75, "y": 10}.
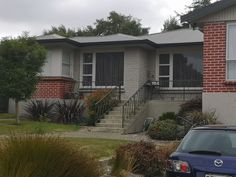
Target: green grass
{"x": 98, "y": 147}
{"x": 7, "y": 116}
{"x": 27, "y": 126}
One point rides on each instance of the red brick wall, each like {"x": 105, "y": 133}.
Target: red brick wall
{"x": 53, "y": 87}
{"x": 214, "y": 59}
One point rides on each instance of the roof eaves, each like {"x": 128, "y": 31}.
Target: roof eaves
{"x": 66, "y": 40}
{"x": 210, "y": 9}
{"x": 143, "y": 41}
{"x": 179, "y": 44}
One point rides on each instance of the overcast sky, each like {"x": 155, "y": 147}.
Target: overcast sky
{"x": 36, "y": 15}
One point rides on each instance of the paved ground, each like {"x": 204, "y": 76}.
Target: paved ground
{"x": 87, "y": 133}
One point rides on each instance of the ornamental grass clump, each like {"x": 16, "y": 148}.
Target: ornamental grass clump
{"x": 41, "y": 156}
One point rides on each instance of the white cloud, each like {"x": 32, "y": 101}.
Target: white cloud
{"x": 35, "y": 16}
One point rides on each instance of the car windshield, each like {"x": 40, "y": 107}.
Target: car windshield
{"x": 210, "y": 142}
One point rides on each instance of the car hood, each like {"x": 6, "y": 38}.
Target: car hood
{"x": 202, "y": 164}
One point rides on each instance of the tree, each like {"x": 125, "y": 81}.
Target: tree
{"x": 118, "y": 23}
{"x": 171, "y": 24}
{"x": 62, "y": 31}
{"x": 113, "y": 24}
{"x": 197, "y": 4}
{"x": 21, "y": 60}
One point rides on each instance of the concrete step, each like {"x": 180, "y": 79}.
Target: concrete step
{"x": 115, "y": 113}
{"x": 111, "y": 121}
{"x": 113, "y": 116}
{"x": 106, "y": 129}
{"x": 115, "y": 125}
{"x": 117, "y": 108}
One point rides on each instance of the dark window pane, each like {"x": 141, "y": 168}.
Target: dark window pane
{"x": 88, "y": 69}
{"x": 187, "y": 70}
{"x": 87, "y": 80}
{"x": 109, "y": 69}
{"x": 88, "y": 58}
{"x": 164, "y": 71}
{"x": 164, "y": 82}
{"x": 3, "y": 104}
{"x": 164, "y": 59}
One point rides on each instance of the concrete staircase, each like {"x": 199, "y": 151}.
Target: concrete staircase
{"x": 112, "y": 122}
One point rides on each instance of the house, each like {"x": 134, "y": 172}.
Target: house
{"x": 170, "y": 61}
{"x": 218, "y": 23}
{"x": 170, "y": 57}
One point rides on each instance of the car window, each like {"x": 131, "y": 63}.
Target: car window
{"x": 210, "y": 140}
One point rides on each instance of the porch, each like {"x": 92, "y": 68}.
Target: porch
{"x": 177, "y": 90}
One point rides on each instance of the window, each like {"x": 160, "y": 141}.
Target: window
{"x": 109, "y": 68}
{"x": 48, "y": 64}
{"x": 187, "y": 70}
{"x": 180, "y": 69}
{"x": 66, "y": 64}
{"x": 87, "y": 69}
{"x": 164, "y": 70}
{"x": 231, "y": 53}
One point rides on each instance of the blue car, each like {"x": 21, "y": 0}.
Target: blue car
{"x": 208, "y": 151}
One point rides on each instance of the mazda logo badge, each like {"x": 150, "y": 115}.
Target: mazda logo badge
{"x": 218, "y": 163}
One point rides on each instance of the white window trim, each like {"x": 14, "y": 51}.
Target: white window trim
{"x": 93, "y": 67}
{"x": 227, "y": 51}
{"x": 71, "y": 64}
{"x": 171, "y": 71}
{"x": 82, "y": 68}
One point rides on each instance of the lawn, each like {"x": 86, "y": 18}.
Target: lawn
{"x": 27, "y": 126}
{"x": 97, "y": 147}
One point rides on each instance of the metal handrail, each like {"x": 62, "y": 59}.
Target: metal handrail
{"x": 107, "y": 102}
{"x": 132, "y": 105}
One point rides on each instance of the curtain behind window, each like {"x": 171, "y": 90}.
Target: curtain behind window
{"x": 187, "y": 70}
{"x": 109, "y": 69}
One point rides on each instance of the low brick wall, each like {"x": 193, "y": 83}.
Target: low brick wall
{"x": 53, "y": 87}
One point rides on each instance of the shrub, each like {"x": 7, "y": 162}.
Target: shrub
{"x": 164, "y": 130}
{"x": 202, "y": 118}
{"x": 168, "y": 115}
{"x": 91, "y": 101}
{"x": 189, "y": 106}
{"x": 68, "y": 112}
{"x": 43, "y": 156}
{"x": 141, "y": 157}
{"x": 165, "y": 152}
{"x": 39, "y": 110}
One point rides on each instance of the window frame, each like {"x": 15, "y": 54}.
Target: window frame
{"x": 82, "y": 75}
{"x": 170, "y": 64}
{"x": 171, "y": 53}
{"x": 227, "y": 52}
{"x": 94, "y": 52}
{"x": 70, "y": 64}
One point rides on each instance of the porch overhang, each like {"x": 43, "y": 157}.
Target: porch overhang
{"x": 179, "y": 44}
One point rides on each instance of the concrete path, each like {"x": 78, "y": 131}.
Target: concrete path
{"x": 86, "y": 132}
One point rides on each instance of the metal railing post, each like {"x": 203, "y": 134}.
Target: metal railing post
{"x": 123, "y": 116}
{"x": 120, "y": 92}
